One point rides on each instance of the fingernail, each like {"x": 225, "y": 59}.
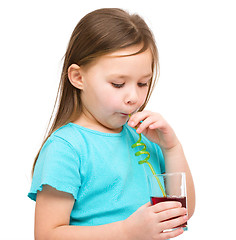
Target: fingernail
{"x": 131, "y": 123}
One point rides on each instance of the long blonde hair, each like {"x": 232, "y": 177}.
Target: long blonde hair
{"x": 98, "y": 33}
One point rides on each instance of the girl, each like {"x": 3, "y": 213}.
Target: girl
{"x": 86, "y": 180}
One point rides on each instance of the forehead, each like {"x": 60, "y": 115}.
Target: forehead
{"x": 124, "y": 63}
{"x": 132, "y": 50}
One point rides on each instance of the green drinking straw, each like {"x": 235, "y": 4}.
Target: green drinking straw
{"x": 144, "y": 151}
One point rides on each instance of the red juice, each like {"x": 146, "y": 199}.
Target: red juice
{"x": 182, "y": 200}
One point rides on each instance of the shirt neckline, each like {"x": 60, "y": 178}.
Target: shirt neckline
{"x": 98, "y": 132}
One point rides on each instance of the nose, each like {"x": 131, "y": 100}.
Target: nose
{"x": 131, "y": 96}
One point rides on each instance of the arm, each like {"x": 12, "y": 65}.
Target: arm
{"x": 52, "y": 216}
{"x": 157, "y": 130}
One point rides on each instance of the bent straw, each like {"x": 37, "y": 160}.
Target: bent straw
{"x": 143, "y": 151}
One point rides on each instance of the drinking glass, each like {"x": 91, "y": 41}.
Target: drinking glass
{"x": 168, "y": 187}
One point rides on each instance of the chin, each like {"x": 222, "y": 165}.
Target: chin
{"x": 115, "y": 124}
{"x": 116, "y": 127}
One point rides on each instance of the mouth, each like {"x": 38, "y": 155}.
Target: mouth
{"x": 127, "y": 114}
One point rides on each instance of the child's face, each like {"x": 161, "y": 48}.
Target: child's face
{"x": 114, "y": 87}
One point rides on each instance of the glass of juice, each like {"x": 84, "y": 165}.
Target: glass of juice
{"x": 168, "y": 187}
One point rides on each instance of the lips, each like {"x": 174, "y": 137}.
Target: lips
{"x": 128, "y": 114}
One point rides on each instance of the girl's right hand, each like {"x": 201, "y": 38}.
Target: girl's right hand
{"x": 149, "y": 221}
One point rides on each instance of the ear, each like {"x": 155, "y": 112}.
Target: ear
{"x": 75, "y": 77}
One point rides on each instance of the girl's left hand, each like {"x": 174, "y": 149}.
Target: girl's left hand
{"x": 154, "y": 127}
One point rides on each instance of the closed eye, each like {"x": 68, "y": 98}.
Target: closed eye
{"x": 118, "y": 85}
{"x": 143, "y": 84}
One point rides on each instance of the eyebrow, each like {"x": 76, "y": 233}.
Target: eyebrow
{"x": 121, "y": 76}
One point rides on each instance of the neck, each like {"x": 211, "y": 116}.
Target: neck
{"x": 86, "y": 121}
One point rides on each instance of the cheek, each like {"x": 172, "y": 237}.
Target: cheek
{"x": 111, "y": 100}
{"x": 143, "y": 97}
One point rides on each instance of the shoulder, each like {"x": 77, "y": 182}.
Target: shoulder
{"x": 62, "y": 141}
{"x": 68, "y": 134}
{"x": 60, "y": 153}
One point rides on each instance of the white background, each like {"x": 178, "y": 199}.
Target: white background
{"x": 195, "y": 93}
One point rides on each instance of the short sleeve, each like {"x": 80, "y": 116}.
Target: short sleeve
{"x": 58, "y": 165}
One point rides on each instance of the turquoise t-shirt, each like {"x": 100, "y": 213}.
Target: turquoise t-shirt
{"x": 99, "y": 169}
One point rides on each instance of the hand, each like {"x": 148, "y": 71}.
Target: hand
{"x": 149, "y": 222}
{"x": 155, "y": 128}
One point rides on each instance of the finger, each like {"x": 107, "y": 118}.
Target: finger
{"x": 149, "y": 121}
{"x": 158, "y": 124}
{"x": 172, "y": 213}
{"x": 171, "y": 234}
{"x": 173, "y": 223}
{"x": 136, "y": 118}
{"x": 163, "y": 206}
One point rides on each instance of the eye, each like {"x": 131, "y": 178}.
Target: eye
{"x": 118, "y": 85}
{"x": 143, "y": 84}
